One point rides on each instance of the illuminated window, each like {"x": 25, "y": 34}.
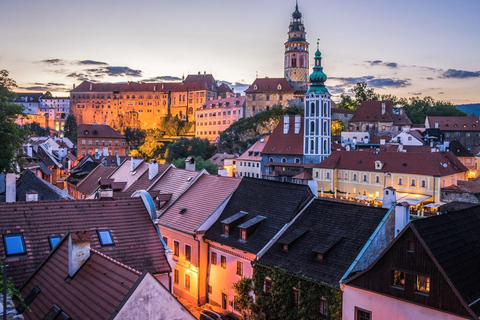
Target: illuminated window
{"x": 176, "y": 276}
{"x": 267, "y": 288}
{"x": 213, "y": 258}
{"x": 239, "y": 268}
{"x": 187, "y": 282}
{"x": 188, "y": 252}
{"x": 176, "y": 248}
{"x": 422, "y": 284}
{"x": 398, "y": 279}
{"x": 223, "y": 262}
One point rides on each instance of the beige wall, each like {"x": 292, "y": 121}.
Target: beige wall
{"x": 261, "y": 103}
{"x": 248, "y": 168}
{"x": 211, "y": 122}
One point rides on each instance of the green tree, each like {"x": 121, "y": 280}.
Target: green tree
{"x": 347, "y": 102}
{"x": 362, "y": 93}
{"x": 47, "y": 94}
{"x": 417, "y": 109}
{"x": 200, "y": 164}
{"x": 12, "y": 291}
{"x": 134, "y": 137}
{"x": 243, "y": 300}
{"x": 71, "y": 128}
{"x": 184, "y": 148}
{"x": 337, "y": 128}
{"x": 34, "y": 129}
{"x": 173, "y": 126}
{"x": 152, "y": 147}
{"x": 11, "y": 135}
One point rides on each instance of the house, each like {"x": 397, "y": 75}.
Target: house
{"x": 343, "y": 115}
{"x": 298, "y": 275}
{"x": 103, "y": 287}
{"x": 121, "y": 228}
{"x": 182, "y": 225}
{"x": 430, "y": 271}
{"x": 102, "y": 139}
{"x": 217, "y": 115}
{"x": 378, "y": 118}
{"x": 465, "y": 156}
{"x": 249, "y": 163}
{"x": 226, "y": 163}
{"x": 257, "y": 211}
{"x": 89, "y": 184}
{"x": 408, "y": 138}
{"x": 418, "y": 175}
{"x": 264, "y": 93}
{"x": 464, "y": 129}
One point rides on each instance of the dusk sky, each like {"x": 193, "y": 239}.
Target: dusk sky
{"x": 407, "y": 48}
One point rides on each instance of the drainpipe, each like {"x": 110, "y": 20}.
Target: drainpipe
{"x": 198, "y": 280}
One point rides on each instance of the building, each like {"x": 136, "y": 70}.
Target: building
{"x": 466, "y": 130}
{"x": 418, "y": 175}
{"x": 301, "y": 269}
{"x": 217, "y": 115}
{"x": 58, "y": 109}
{"x": 408, "y": 138}
{"x": 29, "y": 101}
{"x": 226, "y": 163}
{"x": 103, "y": 139}
{"x": 465, "y": 156}
{"x": 103, "y": 287}
{"x": 264, "y": 93}
{"x": 296, "y": 53}
{"x": 257, "y": 211}
{"x": 343, "y": 115}
{"x": 249, "y": 163}
{"x": 89, "y": 184}
{"x": 183, "y": 224}
{"x": 428, "y": 272}
{"x": 121, "y": 228}
{"x": 317, "y": 116}
{"x": 140, "y": 104}
{"x": 379, "y": 119}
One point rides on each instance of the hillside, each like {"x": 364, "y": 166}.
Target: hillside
{"x": 470, "y": 108}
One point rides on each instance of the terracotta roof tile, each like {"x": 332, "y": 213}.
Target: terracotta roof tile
{"x": 224, "y": 103}
{"x": 90, "y": 183}
{"x": 270, "y": 85}
{"x": 98, "y": 131}
{"x": 371, "y": 111}
{"x": 136, "y": 240}
{"x": 173, "y": 181}
{"x": 290, "y": 143}
{"x": 454, "y": 123}
{"x": 143, "y": 183}
{"x": 254, "y": 153}
{"x": 84, "y": 87}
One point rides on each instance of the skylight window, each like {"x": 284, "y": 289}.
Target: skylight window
{"x": 54, "y": 240}
{"x": 14, "y": 245}
{"x": 105, "y": 238}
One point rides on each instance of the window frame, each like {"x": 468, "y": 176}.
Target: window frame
{"x": 223, "y": 262}
{"x": 176, "y": 276}
{"x": 213, "y": 258}
{"x": 11, "y": 235}
{"x": 398, "y": 286}
{"x": 357, "y": 310}
{"x": 50, "y": 241}
{"x": 112, "y": 244}
{"x": 417, "y": 289}
{"x": 189, "y": 256}
{"x": 239, "y": 271}
{"x": 176, "y": 248}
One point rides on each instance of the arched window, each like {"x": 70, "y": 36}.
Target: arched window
{"x": 325, "y": 110}
{"x": 400, "y": 181}
{"x": 312, "y": 108}
{"x": 325, "y": 127}
{"x": 270, "y": 159}
{"x": 297, "y": 160}
{"x": 312, "y": 127}
{"x": 284, "y": 160}
{"x": 324, "y": 146}
{"x": 377, "y": 179}
{"x": 312, "y": 146}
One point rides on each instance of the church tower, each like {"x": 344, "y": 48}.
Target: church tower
{"x": 317, "y": 138}
{"x": 296, "y": 53}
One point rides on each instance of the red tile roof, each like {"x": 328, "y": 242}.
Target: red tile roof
{"x": 270, "y": 85}
{"x": 371, "y": 111}
{"x": 254, "y": 153}
{"x": 137, "y": 242}
{"x": 200, "y": 200}
{"x": 432, "y": 164}
{"x": 454, "y": 123}
{"x": 303, "y": 176}
{"x": 102, "y": 131}
{"x": 341, "y": 110}
{"x": 288, "y": 144}
{"x": 90, "y": 183}
{"x": 143, "y": 182}
{"x": 226, "y": 103}
{"x": 95, "y": 292}
{"x": 84, "y": 87}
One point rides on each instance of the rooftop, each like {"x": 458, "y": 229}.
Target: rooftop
{"x": 454, "y": 123}
{"x": 98, "y": 131}
{"x": 270, "y": 85}
{"x": 288, "y": 144}
{"x": 371, "y": 111}
{"x": 254, "y": 153}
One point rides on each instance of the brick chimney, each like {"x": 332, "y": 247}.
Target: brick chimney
{"x": 152, "y": 169}
{"x": 78, "y": 250}
{"x": 11, "y": 187}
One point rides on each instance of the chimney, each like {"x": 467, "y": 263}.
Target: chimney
{"x": 91, "y": 86}
{"x": 105, "y": 151}
{"x": 152, "y": 169}
{"x": 402, "y": 216}
{"x": 74, "y": 86}
{"x": 401, "y": 111}
{"x": 50, "y": 149}
{"x": 382, "y": 142}
{"x": 97, "y": 154}
{"x": 436, "y": 125}
{"x": 117, "y": 157}
{"x": 383, "y": 108}
{"x": 29, "y": 150}
{"x": 286, "y": 124}
{"x": 105, "y": 194}
{"x": 190, "y": 163}
{"x": 11, "y": 187}
{"x": 31, "y": 196}
{"x": 298, "y": 120}
{"x": 134, "y": 163}
{"x": 389, "y": 197}
{"x": 78, "y": 250}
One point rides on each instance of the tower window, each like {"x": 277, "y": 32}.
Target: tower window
{"x": 294, "y": 63}
{"x": 312, "y": 127}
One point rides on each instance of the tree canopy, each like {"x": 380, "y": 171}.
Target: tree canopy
{"x": 200, "y": 164}
{"x": 184, "y": 148}
{"x": 11, "y": 135}
{"x": 71, "y": 128}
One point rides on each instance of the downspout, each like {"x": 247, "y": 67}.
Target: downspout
{"x": 198, "y": 280}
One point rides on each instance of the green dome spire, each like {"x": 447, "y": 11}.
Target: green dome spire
{"x": 318, "y": 77}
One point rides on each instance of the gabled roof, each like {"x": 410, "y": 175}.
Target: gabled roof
{"x": 196, "y": 204}
{"x": 270, "y": 85}
{"x": 337, "y": 229}
{"x": 28, "y": 181}
{"x": 90, "y": 183}
{"x": 288, "y": 144}
{"x": 124, "y": 173}
{"x": 423, "y": 163}
{"x": 219, "y": 158}
{"x": 458, "y": 149}
{"x": 101, "y": 289}
{"x": 454, "y": 123}
{"x": 137, "y": 242}
{"x": 227, "y": 103}
{"x": 371, "y": 111}
{"x": 144, "y": 182}
{"x": 254, "y": 153}
{"x": 98, "y": 131}
{"x": 30, "y": 97}
{"x": 85, "y": 86}
{"x": 277, "y": 201}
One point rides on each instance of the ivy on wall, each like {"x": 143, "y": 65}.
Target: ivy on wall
{"x": 279, "y": 303}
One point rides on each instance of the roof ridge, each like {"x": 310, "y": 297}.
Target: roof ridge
{"x": 115, "y": 261}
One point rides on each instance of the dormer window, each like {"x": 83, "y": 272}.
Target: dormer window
{"x": 226, "y": 229}
{"x": 249, "y": 227}
{"x": 243, "y": 234}
{"x": 105, "y": 238}
{"x": 279, "y": 87}
{"x": 378, "y": 165}
{"x": 255, "y": 87}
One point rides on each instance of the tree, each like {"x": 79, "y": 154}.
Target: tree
{"x": 243, "y": 300}
{"x": 12, "y": 291}
{"x": 47, "y": 94}
{"x": 200, "y": 164}
{"x": 152, "y": 147}
{"x": 337, "y": 128}
{"x": 362, "y": 93}
{"x": 184, "y": 148}
{"x": 71, "y": 128}
{"x": 134, "y": 137}
{"x": 347, "y": 102}
{"x": 173, "y": 126}
{"x": 11, "y": 135}
{"x": 34, "y": 129}
{"x": 417, "y": 109}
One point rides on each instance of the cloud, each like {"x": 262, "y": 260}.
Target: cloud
{"x": 79, "y": 76}
{"x": 385, "y": 64}
{"x": 460, "y": 74}
{"x": 91, "y": 62}
{"x": 352, "y": 80}
{"x": 114, "y": 72}
{"x": 415, "y": 93}
{"x": 50, "y": 86}
{"x": 371, "y": 81}
{"x": 55, "y": 62}
{"x": 162, "y": 78}
{"x": 429, "y": 78}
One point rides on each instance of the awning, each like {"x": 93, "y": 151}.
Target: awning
{"x": 434, "y": 205}
{"x": 414, "y": 199}
{"x": 400, "y": 195}
{"x": 364, "y": 198}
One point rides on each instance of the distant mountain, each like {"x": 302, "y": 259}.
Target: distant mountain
{"x": 470, "y": 108}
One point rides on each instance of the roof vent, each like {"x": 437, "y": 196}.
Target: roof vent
{"x": 183, "y": 210}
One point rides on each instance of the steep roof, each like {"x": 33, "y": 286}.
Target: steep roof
{"x": 371, "y": 111}
{"x": 85, "y": 86}
{"x": 98, "y": 131}
{"x": 423, "y": 163}
{"x": 338, "y": 230}
{"x": 90, "y": 183}
{"x": 198, "y": 78}
{"x": 270, "y": 85}
{"x": 254, "y": 153}
{"x": 288, "y": 144}
{"x": 136, "y": 240}
{"x": 28, "y": 181}
{"x": 219, "y": 158}
{"x": 124, "y": 173}
{"x": 454, "y": 123}
{"x": 144, "y": 182}
{"x": 341, "y": 110}
{"x": 193, "y": 206}
{"x": 28, "y": 96}
{"x": 458, "y": 149}
{"x": 277, "y": 201}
